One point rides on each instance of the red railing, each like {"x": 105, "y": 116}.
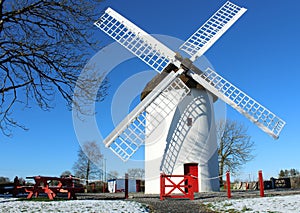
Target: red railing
{"x": 260, "y": 182}
{"x": 183, "y": 184}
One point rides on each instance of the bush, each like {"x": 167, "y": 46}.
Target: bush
{"x": 295, "y": 182}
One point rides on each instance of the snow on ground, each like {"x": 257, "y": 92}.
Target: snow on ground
{"x": 276, "y": 204}
{"x": 8, "y": 205}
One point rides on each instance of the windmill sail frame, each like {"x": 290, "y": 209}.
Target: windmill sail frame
{"x": 237, "y": 99}
{"x": 129, "y": 135}
{"x": 137, "y": 41}
{"x": 212, "y": 30}
{"x": 131, "y": 132}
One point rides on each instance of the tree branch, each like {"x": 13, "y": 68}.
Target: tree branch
{"x": 3, "y": 90}
{"x": 49, "y": 41}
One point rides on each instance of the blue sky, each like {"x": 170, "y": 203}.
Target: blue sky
{"x": 259, "y": 54}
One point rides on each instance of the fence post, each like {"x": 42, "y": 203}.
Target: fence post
{"x": 261, "y": 183}
{"x": 104, "y": 186}
{"x": 126, "y": 186}
{"x": 191, "y": 187}
{"x": 228, "y": 184}
{"x": 162, "y": 186}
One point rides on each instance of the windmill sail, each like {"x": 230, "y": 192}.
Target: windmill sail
{"x": 258, "y": 114}
{"x": 137, "y": 41}
{"x": 130, "y": 134}
{"x": 212, "y": 30}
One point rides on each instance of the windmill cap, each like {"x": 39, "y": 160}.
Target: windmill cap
{"x": 191, "y": 83}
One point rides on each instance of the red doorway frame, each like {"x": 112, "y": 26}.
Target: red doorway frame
{"x": 192, "y": 169}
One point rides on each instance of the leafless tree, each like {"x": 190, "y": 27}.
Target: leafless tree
{"x": 4, "y": 180}
{"x": 44, "y": 44}
{"x": 66, "y": 173}
{"x": 88, "y": 163}
{"x": 235, "y": 146}
{"x": 113, "y": 174}
{"x": 136, "y": 173}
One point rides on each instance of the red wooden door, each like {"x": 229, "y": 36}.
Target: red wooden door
{"x": 192, "y": 168}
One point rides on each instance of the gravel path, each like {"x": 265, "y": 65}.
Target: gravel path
{"x": 155, "y": 204}
{"x": 173, "y": 206}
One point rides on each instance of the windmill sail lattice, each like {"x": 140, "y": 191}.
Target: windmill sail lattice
{"x": 130, "y": 134}
{"x": 230, "y": 94}
{"x": 137, "y": 41}
{"x": 212, "y": 30}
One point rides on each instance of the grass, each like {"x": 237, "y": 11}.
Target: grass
{"x": 208, "y": 207}
{"x": 245, "y": 208}
{"x": 211, "y": 206}
{"x": 227, "y": 204}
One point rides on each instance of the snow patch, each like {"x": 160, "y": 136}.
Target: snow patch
{"x": 12, "y": 205}
{"x": 282, "y": 204}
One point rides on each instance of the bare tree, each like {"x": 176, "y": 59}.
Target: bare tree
{"x": 235, "y": 146}
{"x": 66, "y": 173}
{"x": 294, "y": 172}
{"x": 4, "y": 180}
{"x": 87, "y": 165}
{"x": 281, "y": 174}
{"x": 43, "y": 47}
{"x": 113, "y": 174}
{"x": 136, "y": 173}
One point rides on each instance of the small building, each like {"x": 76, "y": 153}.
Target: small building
{"x": 118, "y": 185}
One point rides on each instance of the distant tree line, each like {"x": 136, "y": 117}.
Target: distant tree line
{"x": 288, "y": 173}
{"x": 4, "y": 180}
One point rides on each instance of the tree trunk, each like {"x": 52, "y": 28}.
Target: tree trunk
{"x": 87, "y": 173}
{"x": 221, "y": 172}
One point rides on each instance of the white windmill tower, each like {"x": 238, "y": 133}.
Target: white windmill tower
{"x": 175, "y": 119}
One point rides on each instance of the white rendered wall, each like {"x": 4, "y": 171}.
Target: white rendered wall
{"x": 195, "y": 143}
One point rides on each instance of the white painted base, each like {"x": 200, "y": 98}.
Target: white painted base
{"x": 187, "y": 135}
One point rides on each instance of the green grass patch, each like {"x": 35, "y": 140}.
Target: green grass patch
{"x": 245, "y": 208}
{"x": 232, "y": 211}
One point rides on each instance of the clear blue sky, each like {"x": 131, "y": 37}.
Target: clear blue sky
{"x": 259, "y": 54}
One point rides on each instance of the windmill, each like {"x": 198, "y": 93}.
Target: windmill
{"x": 180, "y": 98}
